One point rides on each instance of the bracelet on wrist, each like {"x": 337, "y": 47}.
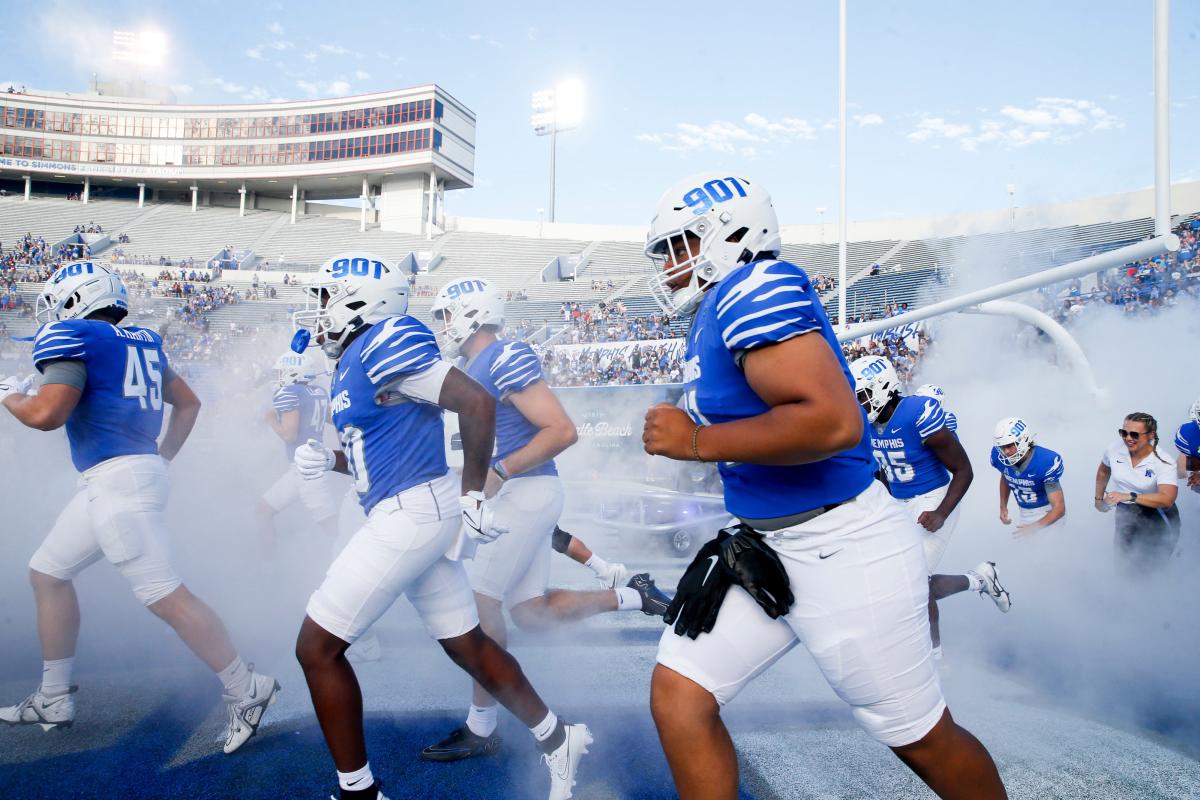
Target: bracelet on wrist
{"x": 696, "y": 443}
{"x": 500, "y": 471}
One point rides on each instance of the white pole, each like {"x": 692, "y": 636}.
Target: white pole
{"x": 195, "y": 196}
{"x": 362, "y": 217}
{"x": 87, "y": 189}
{"x": 842, "y": 322}
{"x": 1162, "y": 123}
{"x": 432, "y": 200}
{"x": 295, "y": 195}
{"x": 1065, "y": 341}
{"x": 553, "y": 137}
{"x": 28, "y": 187}
{"x": 242, "y": 200}
{"x": 141, "y": 194}
{"x": 1122, "y": 255}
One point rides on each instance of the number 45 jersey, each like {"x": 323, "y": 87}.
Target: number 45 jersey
{"x": 910, "y": 466}
{"x": 1028, "y": 485}
{"x": 120, "y": 411}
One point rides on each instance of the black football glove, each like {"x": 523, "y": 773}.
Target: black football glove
{"x": 756, "y": 568}
{"x": 700, "y": 592}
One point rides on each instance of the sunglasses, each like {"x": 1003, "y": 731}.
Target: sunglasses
{"x": 1124, "y": 434}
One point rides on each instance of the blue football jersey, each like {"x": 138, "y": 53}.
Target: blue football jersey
{"x": 121, "y": 409}
{"x": 1187, "y": 439}
{"x": 757, "y": 305}
{"x": 391, "y": 442}
{"x": 313, "y": 405}
{"x": 911, "y": 467}
{"x": 951, "y": 421}
{"x": 505, "y": 367}
{"x": 1029, "y": 484}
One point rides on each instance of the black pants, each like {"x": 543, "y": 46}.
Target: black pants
{"x": 1146, "y": 537}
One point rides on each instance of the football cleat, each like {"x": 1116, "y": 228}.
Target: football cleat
{"x": 991, "y": 586}
{"x": 563, "y": 761}
{"x": 49, "y": 711}
{"x": 377, "y": 786}
{"x": 462, "y": 743}
{"x": 654, "y": 602}
{"x": 246, "y": 713}
{"x": 613, "y": 575}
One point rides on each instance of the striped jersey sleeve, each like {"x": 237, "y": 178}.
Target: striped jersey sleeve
{"x": 401, "y": 346}
{"x": 931, "y": 419}
{"x": 516, "y": 367}
{"x": 952, "y": 421}
{"x": 58, "y": 341}
{"x": 286, "y": 399}
{"x": 1187, "y": 439}
{"x": 766, "y": 303}
{"x": 994, "y": 457}
{"x": 1055, "y": 471}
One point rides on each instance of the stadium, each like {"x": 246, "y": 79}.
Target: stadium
{"x": 220, "y": 219}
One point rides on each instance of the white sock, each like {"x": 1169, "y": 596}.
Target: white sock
{"x": 937, "y": 653}
{"x": 543, "y": 729}
{"x": 975, "y": 582}
{"x": 628, "y": 599}
{"x": 482, "y": 720}
{"x": 596, "y": 564}
{"x": 358, "y": 780}
{"x": 236, "y": 678}
{"x": 56, "y": 675}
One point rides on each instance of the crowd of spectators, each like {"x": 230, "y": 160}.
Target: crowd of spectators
{"x": 825, "y": 283}
{"x": 612, "y": 366}
{"x": 1141, "y": 288}
{"x": 91, "y": 227}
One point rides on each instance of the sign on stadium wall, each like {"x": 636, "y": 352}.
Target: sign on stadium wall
{"x": 674, "y": 347}
{"x": 73, "y": 168}
{"x": 907, "y": 333}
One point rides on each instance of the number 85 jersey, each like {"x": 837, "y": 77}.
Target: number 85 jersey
{"x": 911, "y": 467}
{"x": 121, "y": 408}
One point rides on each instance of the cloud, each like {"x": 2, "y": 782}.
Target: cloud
{"x": 275, "y": 28}
{"x": 256, "y": 95}
{"x": 333, "y": 49}
{"x": 863, "y": 120}
{"x": 281, "y": 45}
{"x": 743, "y": 139}
{"x": 1049, "y": 119}
{"x": 310, "y": 56}
{"x": 323, "y": 88}
{"x": 361, "y": 75}
{"x": 475, "y": 37}
{"x": 182, "y": 89}
{"x": 229, "y": 87}
{"x": 254, "y": 53}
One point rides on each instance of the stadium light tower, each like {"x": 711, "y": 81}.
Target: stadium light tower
{"x": 554, "y": 110}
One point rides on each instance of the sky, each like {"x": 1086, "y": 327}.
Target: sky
{"x": 950, "y": 103}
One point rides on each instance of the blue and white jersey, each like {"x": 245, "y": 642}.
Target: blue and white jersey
{"x": 503, "y": 368}
{"x": 757, "y": 305}
{"x": 1028, "y": 485}
{"x": 911, "y": 467}
{"x": 391, "y": 441}
{"x": 313, "y": 405}
{"x": 121, "y": 409}
{"x": 951, "y": 421}
{"x": 1187, "y": 439}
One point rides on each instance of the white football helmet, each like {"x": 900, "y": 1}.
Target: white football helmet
{"x": 78, "y": 289}
{"x": 293, "y": 368}
{"x": 1194, "y": 412}
{"x": 875, "y": 383}
{"x": 730, "y": 220}
{"x": 463, "y": 306}
{"x": 1013, "y": 430}
{"x": 930, "y": 390}
{"x": 350, "y": 291}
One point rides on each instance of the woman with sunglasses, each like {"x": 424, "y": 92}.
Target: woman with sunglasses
{"x": 1141, "y": 482}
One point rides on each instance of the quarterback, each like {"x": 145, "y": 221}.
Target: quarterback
{"x": 822, "y": 554}
{"x": 107, "y": 385}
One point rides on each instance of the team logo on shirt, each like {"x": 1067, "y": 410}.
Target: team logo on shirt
{"x": 341, "y": 402}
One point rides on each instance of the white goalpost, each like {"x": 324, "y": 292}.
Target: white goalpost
{"x": 990, "y": 300}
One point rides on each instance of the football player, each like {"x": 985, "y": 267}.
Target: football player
{"x": 935, "y": 391}
{"x": 107, "y": 385}
{"x": 925, "y": 467}
{"x": 389, "y": 387}
{"x": 1032, "y": 474}
{"x": 768, "y": 397}
{"x": 532, "y": 428}
{"x": 1187, "y": 442}
{"x": 300, "y": 410}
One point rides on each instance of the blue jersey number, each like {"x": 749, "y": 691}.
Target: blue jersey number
{"x": 143, "y": 378}
{"x": 356, "y": 458}
{"x": 894, "y": 466}
{"x": 455, "y": 290}
{"x": 1026, "y": 497}
{"x": 357, "y": 266}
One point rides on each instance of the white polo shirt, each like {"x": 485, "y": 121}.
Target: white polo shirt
{"x": 1156, "y": 469}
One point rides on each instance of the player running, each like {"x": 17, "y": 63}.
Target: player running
{"x": 389, "y": 388}
{"x": 1030, "y": 473}
{"x": 1187, "y": 442}
{"x": 925, "y": 467}
{"x": 300, "y": 410}
{"x": 107, "y": 385}
{"x": 936, "y": 392}
{"x": 769, "y": 397}
{"x": 532, "y": 428}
